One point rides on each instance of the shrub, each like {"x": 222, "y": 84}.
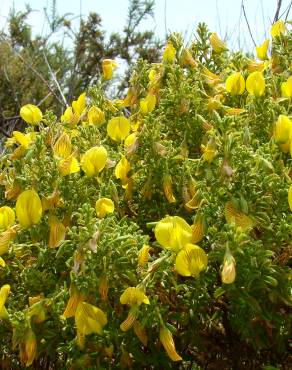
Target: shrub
{"x": 155, "y": 229}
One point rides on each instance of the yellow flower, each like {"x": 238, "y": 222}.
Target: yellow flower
{"x": 282, "y": 132}
{"x": 94, "y": 160}
{"x": 290, "y": 197}
{"x": 118, "y": 128}
{"x": 235, "y": 84}
{"x": 68, "y": 165}
{"x": 236, "y": 217}
{"x": 57, "y": 233}
{"x": 228, "y": 273}
{"x": 31, "y": 114}
{"x": 254, "y": 66}
{"x": 63, "y": 147}
{"x": 147, "y": 104}
{"x": 143, "y": 255}
{"x": 173, "y": 232}
{"x": 22, "y": 139}
{"x": 4, "y": 292}
{"x": 2, "y": 262}
{"x": 262, "y": 50}
{"x": 89, "y": 319}
{"x": 210, "y": 77}
{"x": 167, "y": 188}
{"x": 191, "y": 260}
{"x": 95, "y": 116}
{"x": 131, "y": 143}
{"x": 255, "y": 84}
{"x": 187, "y": 59}
{"x": 7, "y": 217}
{"x": 155, "y": 75}
{"x": 36, "y": 311}
{"x": 122, "y": 169}
{"x": 6, "y": 238}
{"x": 193, "y": 203}
{"x": 70, "y": 117}
{"x": 51, "y": 201}
{"x": 131, "y": 98}
{"x": 75, "y": 298}
{"x": 169, "y": 53}
{"x": 79, "y": 105}
{"x": 18, "y": 153}
{"x": 286, "y": 88}
{"x": 133, "y": 296}
{"x": 218, "y": 45}
{"x": 103, "y": 206}
{"x": 278, "y": 28}
{"x": 28, "y": 208}
{"x": 108, "y": 67}
{"x": 209, "y": 151}
{"x": 12, "y": 191}
{"x": 214, "y": 103}
{"x": 167, "y": 341}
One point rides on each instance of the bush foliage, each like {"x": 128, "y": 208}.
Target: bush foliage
{"x": 154, "y": 231}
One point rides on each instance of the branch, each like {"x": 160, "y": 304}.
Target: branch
{"x": 55, "y": 80}
{"x": 248, "y": 26}
{"x": 4, "y": 132}
{"x": 288, "y": 11}
{"x": 279, "y": 4}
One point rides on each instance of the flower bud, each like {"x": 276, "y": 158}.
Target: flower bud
{"x": 262, "y": 50}
{"x": 30, "y": 347}
{"x": 103, "y": 288}
{"x": 57, "y": 233}
{"x": 228, "y": 273}
{"x": 130, "y": 320}
{"x": 187, "y": 59}
{"x": 143, "y": 255}
{"x": 167, "y": 341}
{"x": 167, "y": 188}
{"x": 140, "y": 332}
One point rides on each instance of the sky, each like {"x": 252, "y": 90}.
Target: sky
{"x": 222, "y": 16}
